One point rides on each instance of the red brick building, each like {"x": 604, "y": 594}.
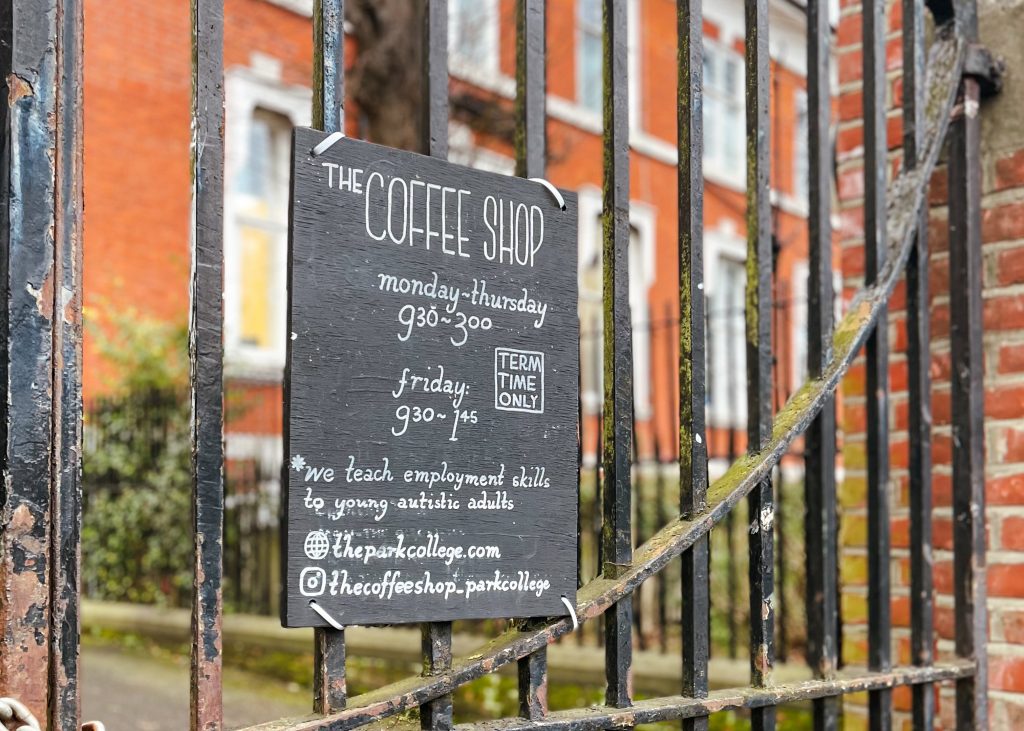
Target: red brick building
{"x": 1003, "y": 293}
{"x": 138, "y": 191}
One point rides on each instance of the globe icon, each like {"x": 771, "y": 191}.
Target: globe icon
{"x": 317, "y": 545}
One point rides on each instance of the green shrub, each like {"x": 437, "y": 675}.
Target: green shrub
{"x": 136, "y": 532}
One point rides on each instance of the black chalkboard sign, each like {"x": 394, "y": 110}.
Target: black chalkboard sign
{"x": 431, "y": 423}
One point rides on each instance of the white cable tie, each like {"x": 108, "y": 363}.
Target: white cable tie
{"x": 328, "y": 142}
{"x": 15, "y": 710}
{"x": 327, "y": 617}
{"x": 572, "y": 613}
{"x": 551, "y": 189}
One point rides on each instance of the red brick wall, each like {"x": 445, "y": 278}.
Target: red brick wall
{"x": 1003, "y": 250}
{"x": 137, "y": 176}
{"x": 137, "y": 189}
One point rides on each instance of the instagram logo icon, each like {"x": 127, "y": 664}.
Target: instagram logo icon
{"x": 312, "y": 581}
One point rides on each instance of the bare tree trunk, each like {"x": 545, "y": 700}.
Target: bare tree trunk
{"x": 385, "y": 77}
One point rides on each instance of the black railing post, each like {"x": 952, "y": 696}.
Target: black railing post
{"x": 40, "y": 341}
{"x": 65, "y": 549}
{"x": 965, "y": 304}
{"x": 760, "y": 504}
{"x": 693, "y": 456}
{"x": 876, "y": 164}
{"x": 617, "y": 538}
{"x": 919, "y": 385}
{"x": 436, "y": 715}
{"x": 531, "y": 162}
{"x": 207, "y": 360}
{"x": 820, "y": 478}
{"x": 329, "y": 681}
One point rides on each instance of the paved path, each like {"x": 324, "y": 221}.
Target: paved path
{"x": 132, "y": 691}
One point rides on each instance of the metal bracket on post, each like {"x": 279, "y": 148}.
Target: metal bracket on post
{"x": 987, "y": 68}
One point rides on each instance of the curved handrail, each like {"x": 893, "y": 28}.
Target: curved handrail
{"x": 907, "y": 196}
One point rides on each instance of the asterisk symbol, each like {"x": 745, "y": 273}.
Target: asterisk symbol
{"x": 298, "y": 463}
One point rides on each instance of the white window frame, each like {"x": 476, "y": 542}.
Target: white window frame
{"x": 458, "y": 64}
{"x": 463, "y": 150}
{"x": 245, "y": 92}
{"x": 801, "y": 150}
{"x": 594, "y": 117}
{"x": 714, "y": 166}
{"x": 719, "y": 244}
{"x": 643, "y": 220}
{"x": 299, "y": 7}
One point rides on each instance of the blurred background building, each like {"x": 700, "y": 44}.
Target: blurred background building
{"x": 138, "y": 91}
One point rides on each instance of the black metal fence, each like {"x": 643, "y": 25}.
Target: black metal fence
{"x": 132, "y": 438}
{"x": 41, "y": 214}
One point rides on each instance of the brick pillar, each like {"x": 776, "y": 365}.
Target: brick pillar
{"x": 1003, "y": 242}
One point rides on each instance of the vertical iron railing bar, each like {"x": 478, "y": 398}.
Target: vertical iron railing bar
{"x": 965, "y": 270}
{"x": 877, "y": 355}
{"x": 919, "y": 382}
{"x": 616, "y": 534}
{"x": 665, "y": 457}
{"x": 206, "y": 360}
{"x": 329, "y": 65}
{"x": 693, "y": 462}
{"x": 822, "y": 567}
{"x": 329, "y": 681}
{"x": 531, "y": 162}
{"x": 65, "y": 702}
{"x": 779, "y": 529}
{"x": 29, "y": 34}
{"x": 436, "y": 643}
{"x": 760, "y": 514}
{"x": 434, "y": 125}
{"x": 638, "y": 501}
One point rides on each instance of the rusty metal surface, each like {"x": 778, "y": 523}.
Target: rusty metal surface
{"x": 65, "y": 706}
{"x": 658, "y": 710}
{"x": 28, "y": 137}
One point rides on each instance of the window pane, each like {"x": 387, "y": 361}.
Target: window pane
{"x": 734, "y": 139}
{"x": 259, "y": 202}
{"x": 710, "y": 68}
{"x": 726, "y": 325}
{"x": 589, "y": 71}
{"x": 469, "y": 30}
{"x": 590, "y": 15}
{"x": 257, "y": 247}
{"x": 731, "y": 83}
{"x": 257, "y": 170}
{"x": 801, "y": 165}
{"x": 711, "y": 131}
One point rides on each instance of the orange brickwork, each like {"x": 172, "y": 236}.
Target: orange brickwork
{"x": 1003, "y": 251}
